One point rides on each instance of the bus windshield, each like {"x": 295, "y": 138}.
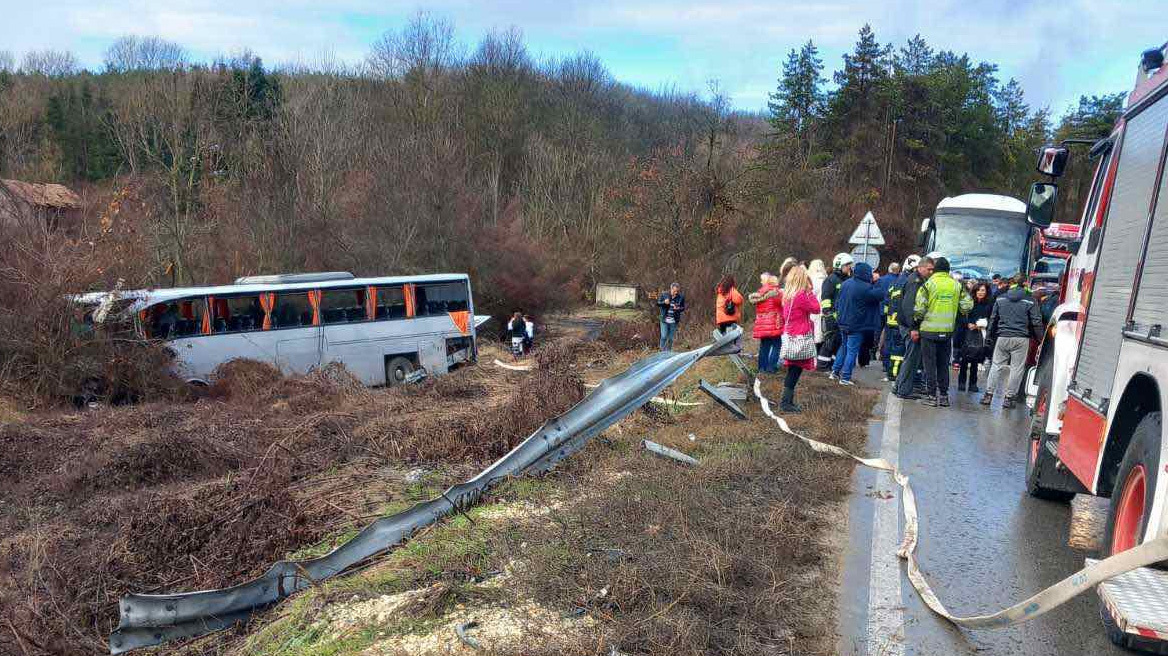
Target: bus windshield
{"x": 980, "y": 245}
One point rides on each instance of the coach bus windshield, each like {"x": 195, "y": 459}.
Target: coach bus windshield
{"x": 980, "y": 245}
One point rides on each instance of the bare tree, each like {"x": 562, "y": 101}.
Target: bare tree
{"x": 7, "y": 61}
{"x": 423, "y": 49}
{"x": 50, "y": 63}
{"x": 134, "y": 53}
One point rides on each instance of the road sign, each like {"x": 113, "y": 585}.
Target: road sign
{"x": 867, "y": 232}
{"x": 868, "y": 254}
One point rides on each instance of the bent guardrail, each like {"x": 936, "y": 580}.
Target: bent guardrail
{"x": 151, "y": 619}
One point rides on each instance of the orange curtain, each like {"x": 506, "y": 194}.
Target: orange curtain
{"x": 210, "y": 302}
{"x": 371, "y": 304}
{"x": 461, "y": 321}
{"x": 268, "y": 302}
{"x": 408, "y": 293}
{"x": 143, "y": 316}
{"x": 187, "y": 309}
{"x": 314, "y": 299}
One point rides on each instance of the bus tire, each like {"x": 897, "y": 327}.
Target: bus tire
{"x": 1041, "y": 465}
{"x": 1135, "y": 488}
{"x": 397, "y": 369}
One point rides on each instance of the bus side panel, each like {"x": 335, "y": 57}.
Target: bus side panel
{"x": 1081, "y": 442}
{"x": 199, "y": 356}
{"x": 297, "y": 351}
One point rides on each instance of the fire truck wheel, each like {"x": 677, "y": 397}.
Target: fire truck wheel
{"x": 1135, "y": 485}
{"x": 1040, "y": 463}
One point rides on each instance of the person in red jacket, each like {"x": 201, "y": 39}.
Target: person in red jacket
{"x": 768, "y": 328}
{"x": 799, "y": 304}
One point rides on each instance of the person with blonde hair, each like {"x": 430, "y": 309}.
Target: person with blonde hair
{"x": 785, "y": 268}
{"x": 767, "y": 326}
{"x": 818, "y": 273}
{"x": 798, "y": 349}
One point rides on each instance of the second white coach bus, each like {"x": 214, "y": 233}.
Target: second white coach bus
{"x": 380, "y": 329}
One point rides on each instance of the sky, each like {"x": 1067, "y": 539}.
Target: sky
{"x": 1057, "y": 50}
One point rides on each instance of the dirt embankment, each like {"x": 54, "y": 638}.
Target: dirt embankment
{"x": 618, "y": 548}
{"x": 184, "y": 496}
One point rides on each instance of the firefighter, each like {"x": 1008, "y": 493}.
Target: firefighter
{"x": 841, "y": 269}
{"x": 892, "y": 336}
{"x": 906, "y": 378}
{"x": 937, "y": 305}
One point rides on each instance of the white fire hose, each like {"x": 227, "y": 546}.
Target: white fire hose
{"x": 1056, "y": 595}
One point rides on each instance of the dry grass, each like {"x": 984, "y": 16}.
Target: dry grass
{"x": 181, "y": 496}
{"x": 619, "y": 549}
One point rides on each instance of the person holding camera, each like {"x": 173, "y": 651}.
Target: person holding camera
{"x": 672, "y": 305}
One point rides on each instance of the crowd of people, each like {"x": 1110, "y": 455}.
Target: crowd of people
{"x": 919, "y": 318}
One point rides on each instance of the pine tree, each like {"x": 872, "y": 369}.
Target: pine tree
{"x": 797, "y": 104}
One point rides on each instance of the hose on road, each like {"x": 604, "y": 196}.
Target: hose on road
{"x": 1052, "y": 597}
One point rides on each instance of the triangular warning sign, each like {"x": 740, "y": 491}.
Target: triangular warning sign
{"x": 867, "y": 232}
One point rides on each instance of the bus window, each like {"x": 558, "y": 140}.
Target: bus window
{"x": 440, "y": 298}
{"x": 291, "y": 311}
{"x": 182, "y": 318}
{"x": 391, "y": 303}
{"x": 342, "y": 305}
{"x": 238, "y": 313}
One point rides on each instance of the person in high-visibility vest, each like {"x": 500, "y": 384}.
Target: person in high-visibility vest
{"x": 841, "y": 270}
{"x": 893, "y": 338}
{"x": 938, "y": 303}
{"x": 883, "y": 341}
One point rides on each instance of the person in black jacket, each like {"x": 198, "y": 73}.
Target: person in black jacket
{"x": 1015, "y": 320}
{"x": 841, "y": 270}
{"x": 906, "y": 377}
{"x": 672, "y": 305}
{"x": 973, "y": 337}
{"x": 517, "y": 332}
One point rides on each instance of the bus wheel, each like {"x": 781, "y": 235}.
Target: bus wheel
{"x": 397, "y": 369}
{"x": 1135, "y": 485}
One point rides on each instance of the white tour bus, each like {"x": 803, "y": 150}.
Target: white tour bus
{"x": 381, "y": 329}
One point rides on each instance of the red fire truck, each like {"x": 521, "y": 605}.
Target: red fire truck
{"x": 1101, "y": 380}
{"x": 1050, "y": 252}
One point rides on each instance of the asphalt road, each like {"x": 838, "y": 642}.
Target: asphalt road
{"x": 984, "y": 543}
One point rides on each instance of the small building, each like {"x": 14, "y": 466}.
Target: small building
{"x": 48, "y": 207}
{"x": 616, "y": 294}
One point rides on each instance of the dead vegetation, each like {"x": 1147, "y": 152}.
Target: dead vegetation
{"x": 198, "y": 494}
{"x": 618, "y": 549}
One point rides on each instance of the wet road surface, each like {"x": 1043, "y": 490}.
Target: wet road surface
{"x": 984, "y": 543}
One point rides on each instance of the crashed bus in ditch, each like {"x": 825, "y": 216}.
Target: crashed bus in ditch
{"x": 382, "y": 329}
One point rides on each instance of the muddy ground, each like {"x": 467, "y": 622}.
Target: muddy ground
{"x": 618, "y": 549}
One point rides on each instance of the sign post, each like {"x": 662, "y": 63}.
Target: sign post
{"x": 867, "y": 236}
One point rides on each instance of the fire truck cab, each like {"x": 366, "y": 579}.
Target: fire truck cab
{"x": 1101, "y": 380}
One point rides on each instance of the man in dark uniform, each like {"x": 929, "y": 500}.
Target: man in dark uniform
{"x": 907, "y": 375}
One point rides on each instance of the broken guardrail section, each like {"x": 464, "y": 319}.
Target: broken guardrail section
{"x": 151, "y": 619}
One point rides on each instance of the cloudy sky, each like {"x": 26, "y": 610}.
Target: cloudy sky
{"x": 1058, "y": 50}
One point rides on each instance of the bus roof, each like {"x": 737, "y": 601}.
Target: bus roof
{"x": 148, "y": 297}
{"x": 981, "y": 203}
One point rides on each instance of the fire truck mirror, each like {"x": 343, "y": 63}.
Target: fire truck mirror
{"x": 1040, "y": 209}
{"x": 1052, "y": 160}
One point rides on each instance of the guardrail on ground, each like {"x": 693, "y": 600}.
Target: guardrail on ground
{"x": 151, "y": 619}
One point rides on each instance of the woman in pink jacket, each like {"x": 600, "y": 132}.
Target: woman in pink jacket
{"x": 768, "y": 327}
{"x": 798, "y": 306}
